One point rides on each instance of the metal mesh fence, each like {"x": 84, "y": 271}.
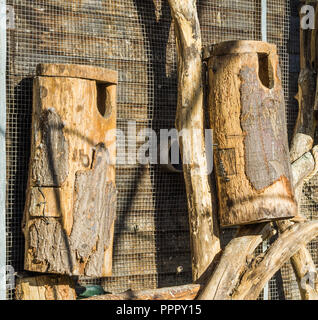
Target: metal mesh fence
{"x": 136, "y": 38}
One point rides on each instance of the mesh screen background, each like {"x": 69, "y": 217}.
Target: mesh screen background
{"x": 135, "y": 38}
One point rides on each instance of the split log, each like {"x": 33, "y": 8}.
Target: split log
{"x": 247, "y": 115}
{"x": 187, "y": 292}
{"x": 45, "y": 288}
{"x": 205, "y": 244}
{"x": 71, "y": 195}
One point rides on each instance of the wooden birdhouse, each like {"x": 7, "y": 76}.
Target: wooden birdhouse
{"x": 247, "y": 115}
{"x": 71, "y": 195}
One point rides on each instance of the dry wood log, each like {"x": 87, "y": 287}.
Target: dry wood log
{"x": 247, "y": 115}
{"x": 254, "y": 273}
{"x": 301, "y": 168}
{"x": 303, "y": 266}
{"x": 71, "y": 195}
{"x": 205, "y": 244}
{"x": 187, "y": 292}
{"x": 45, "y": 288}
{"x": 234, "y": 260}
{"x": 262, "y": 268}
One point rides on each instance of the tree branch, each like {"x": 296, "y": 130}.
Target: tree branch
{"x": 262, "y": 269}
{"x": 204, "y": 231}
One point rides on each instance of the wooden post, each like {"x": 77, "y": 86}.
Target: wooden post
{"x": 247, "y": 115}
{"x": 71, "y": 195}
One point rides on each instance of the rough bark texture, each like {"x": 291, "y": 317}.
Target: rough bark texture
{"x": 45, "y": 288}
{"x": 247, "y": 115}
{"x": 204, "y": 231}
{"x": 71, "y": 196}
{"x": 187, "y": 292}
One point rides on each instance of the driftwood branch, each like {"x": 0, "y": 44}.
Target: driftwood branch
{"x": 251, "y": 274}
{"x": 204, "y": 231}
{"x": 262, "y": 269}
{"x": 233, "y": 261}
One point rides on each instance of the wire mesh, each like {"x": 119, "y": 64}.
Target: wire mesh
{"x": 136, "y": 38}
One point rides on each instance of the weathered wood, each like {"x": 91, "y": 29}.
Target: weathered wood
{"x": 234, "y": 260}
{"x": 252, "y": 273}
{"x": 71, "y": 196}
{"x": 303, "y": 266}
{"x": 247, "y": 115}
{"x": 205, "y": 244}
{"x": 45, "y": 288}
{"x": 187, "y": 292}
{"x": 262, "y": 268}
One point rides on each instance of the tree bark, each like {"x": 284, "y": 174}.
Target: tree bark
{"x": 205, "y": 244}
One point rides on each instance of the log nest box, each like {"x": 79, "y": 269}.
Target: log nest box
{"x": 70, "y": 206}
{"x": 247, "y": 114}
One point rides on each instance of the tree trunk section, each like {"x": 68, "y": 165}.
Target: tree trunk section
{"x": 205, "y": 244}
{"x": 70, "y": 209}
{"x": 247, "y": 115}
